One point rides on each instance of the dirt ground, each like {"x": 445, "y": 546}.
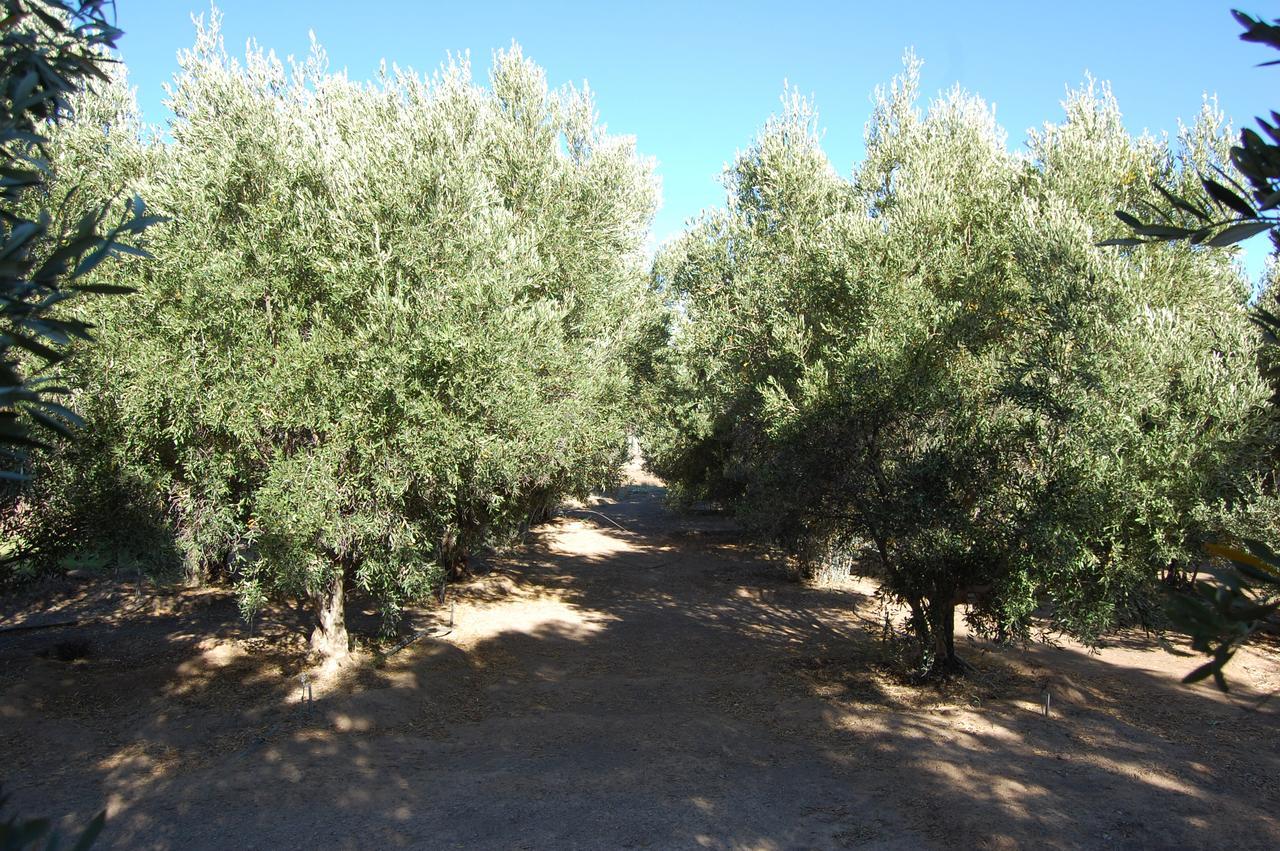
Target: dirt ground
{"x": 630, "y": 679}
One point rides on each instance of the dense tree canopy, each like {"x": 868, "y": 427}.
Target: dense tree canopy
{"x": 935, "y": 357}
{"x": 1242, "y": 596}
{"x": 387, "y": 324}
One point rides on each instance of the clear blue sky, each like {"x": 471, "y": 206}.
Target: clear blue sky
{"x": 694, "y": 81}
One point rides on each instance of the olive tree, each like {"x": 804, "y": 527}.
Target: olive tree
{"x": 934, "y": 356}
{"x": 387, "y": 324}
{"x": 1217, "y": 210}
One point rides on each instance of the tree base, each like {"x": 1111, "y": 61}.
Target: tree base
{"x": 333, "y": 646}
{"x": 330, "y": 638}
{"x": 942, "y": 670}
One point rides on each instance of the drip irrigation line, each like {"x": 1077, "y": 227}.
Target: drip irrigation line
{"x": 598, "y": 514}
{"x": 422, "y": 633}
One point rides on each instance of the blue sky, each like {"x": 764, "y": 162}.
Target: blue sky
{"x": 694, "y": 81}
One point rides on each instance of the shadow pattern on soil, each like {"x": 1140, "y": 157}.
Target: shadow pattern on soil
{"x": 663, "y": 687}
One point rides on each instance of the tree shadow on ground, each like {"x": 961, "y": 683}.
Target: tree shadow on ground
{"x": 641, "y": 683}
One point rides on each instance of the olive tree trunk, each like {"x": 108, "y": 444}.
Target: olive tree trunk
{"x": 329, "y": 638}
{"x": 942, "y": 626}
{"x": 933, "y": 620}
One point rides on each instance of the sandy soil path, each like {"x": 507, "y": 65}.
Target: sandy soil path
{"x": 632, "y": 679}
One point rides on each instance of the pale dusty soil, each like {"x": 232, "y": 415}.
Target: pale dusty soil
{"x": 655, "y": 686}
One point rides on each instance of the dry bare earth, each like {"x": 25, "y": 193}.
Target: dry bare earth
{"x": 657, "y": 686}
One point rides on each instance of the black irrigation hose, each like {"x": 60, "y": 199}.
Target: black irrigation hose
{"x": 422, "y": 633}
{"x": 598, "y": 514}
{"x": 25, "y": 627}
{"x": 429, "y": 632}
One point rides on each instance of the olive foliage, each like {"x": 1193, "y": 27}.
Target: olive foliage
{"x": 388, "y": 323}
{"x": 1241, "y": 595}
{"x": 935, "y": 358}
{"x": 50, "y": 50}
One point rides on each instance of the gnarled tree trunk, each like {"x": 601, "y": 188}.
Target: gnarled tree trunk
{"x": 453, "y": 557}
{"x": 330, "y": 635}
{"x": 933, "y": 620}
{"x": 942, "y": 628}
